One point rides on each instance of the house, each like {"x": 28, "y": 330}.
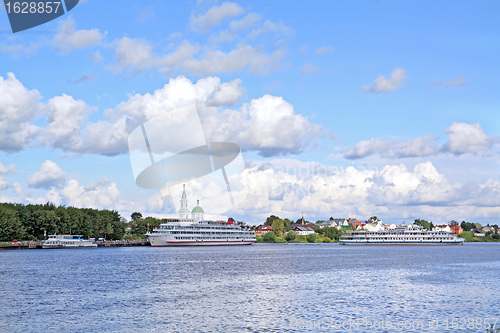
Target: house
{"x": 456, "y": 229}
{"x": 260, "y": 231}
{"x": 442, "y": 227}
{"x": 302, "y": 230}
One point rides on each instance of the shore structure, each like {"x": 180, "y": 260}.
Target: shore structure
{"x": 407, "y": 235}
{"x": 193, "y": 230}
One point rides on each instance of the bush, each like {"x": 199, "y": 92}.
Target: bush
{"x": 468, "y": 235}
{"x": 290, "y": 236}
{"x": 327, "y": 240}
{"x": 270, "y": 237}
{"x": 311, "y": 238}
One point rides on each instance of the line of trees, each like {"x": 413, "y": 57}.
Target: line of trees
{"x": 31, "y": 222}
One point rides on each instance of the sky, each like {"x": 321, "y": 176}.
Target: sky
{"x": 340, "y": 108}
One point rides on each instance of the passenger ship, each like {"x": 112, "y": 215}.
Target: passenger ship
{"x": 400, "y": 237}
{"x": 194, "y": 230}
{"x": 68, "y": 242}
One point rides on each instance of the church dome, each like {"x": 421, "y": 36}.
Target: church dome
{"x": 197, "y": 209}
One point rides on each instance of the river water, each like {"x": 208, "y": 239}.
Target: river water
{"x": 257, "y": 288}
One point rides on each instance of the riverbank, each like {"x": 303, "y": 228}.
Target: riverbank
{"x": 26, "y": 245}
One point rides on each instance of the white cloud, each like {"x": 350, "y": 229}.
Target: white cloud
{"x": 242, "y": 51}
{"x": 105, "y": 195}
{"x": 466, "y": 138}
{"x": 268, "y": 125}
{"x": 418, "y": 147}
{"x": 383, "y": 84}
{"x": 215, "y": 15}
{"x": 65, "y": 119}
{"x": 96, "y": 57}
{"x": 68, "y": 39}
{"x": 49, "y": 175}
{"x": 18, "y": 108}
{"x": 7, "y": 169}
{"x": 132, "y": 52}
{"x": 463, "y": 138}
{"x": 226, "y": 94}
{"x": 390, "y": 192}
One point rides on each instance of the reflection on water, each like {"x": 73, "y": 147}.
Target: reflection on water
{"x": 258, "y": 288}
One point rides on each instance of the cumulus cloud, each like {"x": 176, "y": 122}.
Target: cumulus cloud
{"x": 7, "y": 169}
{"x": 391, "y": 191}
{"x": 268, "y": 124}
{"x": 242, "y": 51}
{"x": 68, "y": 39}
{"x": 418, "y": 147}
{"x": 133, "y": 52}
{"x": 103, "y": 195}
{"x": 19, "y": 106}
{"x": 136, "y": 55}
{"x": 49, "y": 175}
{"x": 466, "y": 138}
{"x": 65, "y": 118}
{"x": 462, "y": 138}
{"x": 383, "y": 84}
{"x": 215, "y": 15}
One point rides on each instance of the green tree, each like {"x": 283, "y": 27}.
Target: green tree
{"x": 311, "y": 238}
{"x": 269, "y": 237}
{"x": 10, "y": 224}
{"x": 468, "y": 235}
{"x": 278, "y": 226}
{"x": 326, "y": 240}
{"x": 270, "y": 219}
{"x": 427, "y": 225}
{"x": 290, "y": 236}
{"x": 136, "y": 216}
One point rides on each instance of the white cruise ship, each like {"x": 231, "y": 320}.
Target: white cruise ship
{"x": 400, "y": 237}
{"x": 194, "y": 230}
{"x": 68, "y": 242}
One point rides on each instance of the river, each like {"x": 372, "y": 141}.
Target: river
{"x": 257, "y": 288}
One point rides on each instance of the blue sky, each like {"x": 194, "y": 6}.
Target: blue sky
{"x": 341, "y": 108}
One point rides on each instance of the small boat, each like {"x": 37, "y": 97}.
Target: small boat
{"x": 68, "y": 242}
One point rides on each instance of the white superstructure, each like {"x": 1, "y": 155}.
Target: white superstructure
{"x": 68, "y": 242}
{"x": 190, "y": 232}
{"x": 400, "y": 237}
{"x": 184, "y": 231}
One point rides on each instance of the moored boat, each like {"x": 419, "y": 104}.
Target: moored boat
{"x": 68, "y": 242}
{"x": 194, "y": 230}
{"x": 400, "y": 237}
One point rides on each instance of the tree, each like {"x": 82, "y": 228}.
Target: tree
{"x": 278, "y": 226}
{"x": 468, "y": 235}
{"x": 311, "y": 238}
{"x": 290, "y": 236}
{"x": 270, "y": 219}
{"x": 269, "y": 237}
{"x": 136, "y": 216}
{"x": 427, "y": 225}
{"x": 453, "y": 223}
{"x": 327, "y": 240}
{"x": 467, "y": 226}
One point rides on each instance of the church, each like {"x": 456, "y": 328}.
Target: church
{"x": 197, "y": 213}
